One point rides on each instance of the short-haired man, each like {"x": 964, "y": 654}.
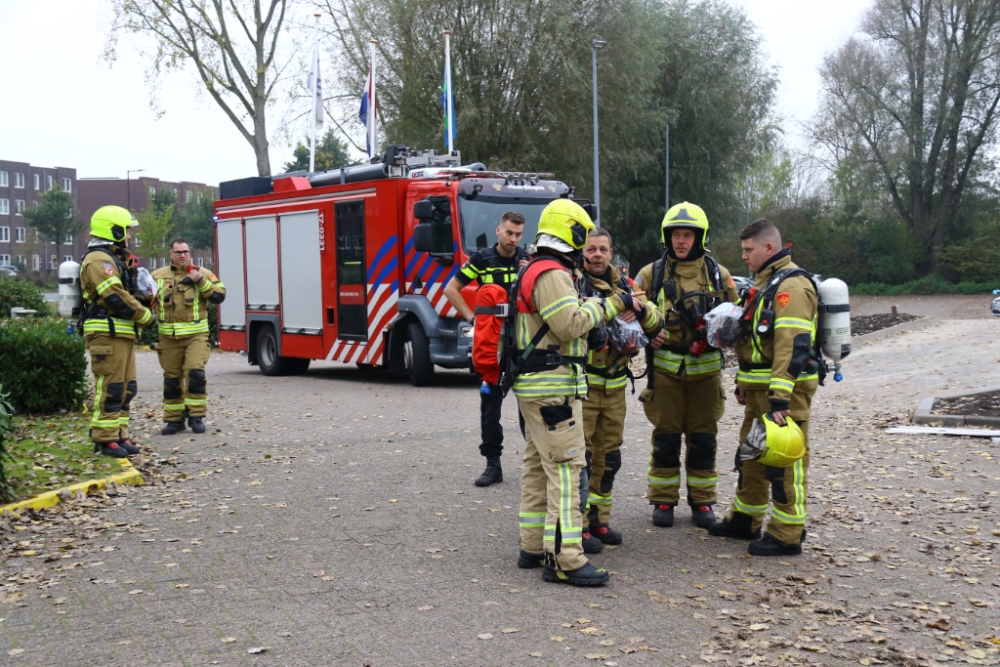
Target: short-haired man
{"x": 778, "y": 377}
{"x": 497, "y": 265}
{"x": 184, "y": 292}
{"x": 604, "y": 406}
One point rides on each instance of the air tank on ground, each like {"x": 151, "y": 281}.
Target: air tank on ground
{"x": 69, "y": 289}
{"x": 835, "y": 322}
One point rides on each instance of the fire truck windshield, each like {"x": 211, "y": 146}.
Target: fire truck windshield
{"x": 480, "y": 217}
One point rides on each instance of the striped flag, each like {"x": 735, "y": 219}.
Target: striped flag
{"x": 448, "y": 98}
{"x": 315, "y": 86}
{"x": 368, "y": 109}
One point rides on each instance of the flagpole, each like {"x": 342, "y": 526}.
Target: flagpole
{"x": 312, "y": 149}
{"x": 372, "y": 111}
{"x": 449, "y": 111}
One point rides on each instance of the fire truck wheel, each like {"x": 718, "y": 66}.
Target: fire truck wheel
{"x": 418, "y": 357}
{"x": 267, "y": 352}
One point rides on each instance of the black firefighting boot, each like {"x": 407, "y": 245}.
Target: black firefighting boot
{"x": 529, "y": 561}
{"x": 128, "y": 446}
{"x": 737, "y": 529}
{"x": 606, "y": 534}
{"x": 770, "y": 546}
{"x": 588, "y": 575}
{"x": 492, "y": 474}
{"x": 703, "y": 515}
{"x": 172, "y": 428}
{"x": 591, "y": 544}
{"x": 110, "y": 449}
{"x": 663, "y": 515}
{"x": 196, "y": 424}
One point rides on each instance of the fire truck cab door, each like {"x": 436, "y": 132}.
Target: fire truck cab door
{"x": 352, "y": 306}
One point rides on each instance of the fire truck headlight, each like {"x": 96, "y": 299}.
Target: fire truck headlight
{"x": 466, "y": 331}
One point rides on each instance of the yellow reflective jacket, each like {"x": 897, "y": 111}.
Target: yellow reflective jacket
{"x": 110, "y": 309}
{"x": 183, "y": 303}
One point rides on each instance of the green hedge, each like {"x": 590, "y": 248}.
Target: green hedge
{"x": 43, "y": 367}
{"x": 929, "y": 285}
{"x": 151, "y": 335}
{"x": 6, "y": 428}
{"x": 18, "y": 292}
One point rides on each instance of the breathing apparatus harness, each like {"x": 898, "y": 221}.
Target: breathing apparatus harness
{"x": 92, "y": 310}
{"x": 621, "y": 367}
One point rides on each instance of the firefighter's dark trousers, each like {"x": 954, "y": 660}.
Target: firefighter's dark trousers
{"x": 554, "y": 460}
{"x": 184, "y": 383}
{"x": 688, "y": 406}
{"x": 489, "y": 422}
{"x": 112, "y": 361}
{"x": 786, "y": 487}
{"x": 603, "y": 428}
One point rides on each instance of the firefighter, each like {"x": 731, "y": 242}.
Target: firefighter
{"x": 607, "y": 377}
{"x": 184, "y": 292}
{"x": 493, "y": 266}
{"x": 684, "y": 397}
{"x": 111, "y": 316}
{"x": 778, "y": 376}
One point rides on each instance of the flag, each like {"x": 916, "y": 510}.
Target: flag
{"x": 368, "y": 111}
{"x": 448, "y": 104}
{"x": 315, "y": 86}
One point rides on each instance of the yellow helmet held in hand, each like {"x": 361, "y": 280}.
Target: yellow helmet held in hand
{"x": 567, "y": 221}
{"x": 685, "y": 216}
{"x": 785, "y": 444}
{"x": 110, "y": 222}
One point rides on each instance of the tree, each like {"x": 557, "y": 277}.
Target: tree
{"x": 156, "y": 224}
{"x": 913, "y": 103}
{"x": 231, "y": 44}
{"x": 55, "y": 218}
{"x": 195, "y": 221}
{"x": 331, "y": 153}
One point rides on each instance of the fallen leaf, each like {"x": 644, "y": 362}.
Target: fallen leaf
{"x": 607, "y": 642}
{"x": 258, "y": 649}
{"x": 135, "y": 592}
{"x": 15, "y": 652}
{"x": 594, "y": 632}
{"x": 536, "y": 654}
{"x": 426, "y": 607}
{"x": 596, "y": 656}
{"x": 228, "y": 640}
{"x": 976, "y": 653}
{"x": 485, "y": 635}
{"x": 509, "y": 631}
{"x": 756, "y": 627}
{"x": 558, "y": 639}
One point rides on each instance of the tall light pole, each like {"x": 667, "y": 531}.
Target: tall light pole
{"x": 596, "y": 44}
{"x": 128, "y": 186}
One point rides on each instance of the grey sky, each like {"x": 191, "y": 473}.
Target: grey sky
{"x": 64, "y": 106}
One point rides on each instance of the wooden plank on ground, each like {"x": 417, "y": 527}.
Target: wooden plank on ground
{"x": 931, "y": 430}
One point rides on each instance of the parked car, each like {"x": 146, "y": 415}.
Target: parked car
{"x": 743, "y": 284}
{"x": 8, "y": 270}
{"x": 996, "y": 304}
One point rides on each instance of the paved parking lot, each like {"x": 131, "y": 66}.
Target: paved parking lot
{"x": 331, "y": 519}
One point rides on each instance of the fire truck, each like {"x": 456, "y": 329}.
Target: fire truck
{"x": 350, "y": 265}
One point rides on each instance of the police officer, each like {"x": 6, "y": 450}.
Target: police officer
{"x": 498, "y": 266}
{"x": 111, "y": 316}
{"x": 184, "y": 292}
{"x": 684, "y": 396}
{"x": 604, "y": 407}
{"x": 778, "y": 376}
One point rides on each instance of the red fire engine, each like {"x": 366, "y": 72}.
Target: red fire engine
{"x": 350, "y": 265}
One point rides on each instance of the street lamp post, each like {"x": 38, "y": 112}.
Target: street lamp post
{"x": 596, "y": 44}
{"x": 128, "y": 186}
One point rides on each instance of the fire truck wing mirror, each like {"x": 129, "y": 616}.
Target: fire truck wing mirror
{"x": 590, "y": 209}
{"x": 423, "y": 233}
{"x": 423, "y": 210}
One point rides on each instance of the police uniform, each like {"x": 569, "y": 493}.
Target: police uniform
{"x": 111, "y": 317}
{"x": 183, "y": 346}
{"x": 777, "y": 372}
{"x": 604, "y": 407}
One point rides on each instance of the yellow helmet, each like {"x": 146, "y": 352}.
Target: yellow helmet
{"x": 110, "y": 222}
{"x": 685, "y": 216}
{"x": 773, "y": 445}
{"x": 566, "y": 220}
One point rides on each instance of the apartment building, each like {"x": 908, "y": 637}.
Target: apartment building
{"x": 21, "y": 187}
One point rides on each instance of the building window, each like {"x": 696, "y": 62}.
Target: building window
{"x": 36, "y": 262}
{"x": 4, "y": 234}
{"x": 4, "y": 260}
{"x": 19, "y": 235}
{"x": 201, "y": 262}
{"x": 18, "y": 206}
{"x": 34, "y": 204}
{"x": 67, "y": 184}
{"x": 48, "y": 182}
{"x": 67, "y": 258}
{"x": 152, "y": 191}
{"x": 4, "y": 205}
{"x": 54, "y": 262}
{"x": 68, "y": 240}
{"x": 18, "y": 180}
{"x": 152, "y": 263}
{"x": 38, "y": 185}
{"x": 20, "y": 260}
{"x": 3, "y": 179}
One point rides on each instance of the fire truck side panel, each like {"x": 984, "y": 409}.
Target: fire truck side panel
{"x": 261, "y": 241}
{"x": 301, "y": 279}
{"x": 229, "y": 264}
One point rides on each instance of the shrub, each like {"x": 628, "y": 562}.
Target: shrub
{"x": 43, "y": 367}
{"x": 929, "y": 285}
{"x": 17, "y": 292}
{"x": 6, "y": 428}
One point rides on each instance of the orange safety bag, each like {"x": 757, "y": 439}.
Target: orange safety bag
{"x": 491, "y": 308}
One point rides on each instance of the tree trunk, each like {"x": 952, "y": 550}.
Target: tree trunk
{"x": 260, "y": 143}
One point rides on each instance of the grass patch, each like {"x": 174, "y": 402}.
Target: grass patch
{"x": 50, "y": 452}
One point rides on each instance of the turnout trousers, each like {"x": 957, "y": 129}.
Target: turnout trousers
{"x": 688, "y": 406}
{"x": 184, "y": 382}
{"x": 112, "y": 361}
{"x": 552, "y": 479}
{"x": 785, "y": 487}
{"x": 490, "y": 406}
{"x": 603, "y": 428}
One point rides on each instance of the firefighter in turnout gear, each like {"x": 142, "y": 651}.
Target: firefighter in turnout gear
{"x": 778, "y": 375}
{"x": 684, "y": 397}
{"x": 554, "y": 330}
{"x": 184, "y": 292}
{"x": 607, "y": 377}
{"x": 111, "y": 318}
{"x": 492, "y": 266}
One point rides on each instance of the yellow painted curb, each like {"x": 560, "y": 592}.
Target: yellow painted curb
{"x": 129, "y": 476}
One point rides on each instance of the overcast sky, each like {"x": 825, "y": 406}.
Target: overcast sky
{"x": 63, "y": 105}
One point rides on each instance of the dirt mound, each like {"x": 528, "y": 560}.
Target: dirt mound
{"x": 979, "y": 405}
{"x": 866, "y": 324}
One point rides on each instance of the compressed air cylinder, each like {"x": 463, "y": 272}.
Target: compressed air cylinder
{"x": 835, "y": 322}
{"x": 69, "y": 289}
